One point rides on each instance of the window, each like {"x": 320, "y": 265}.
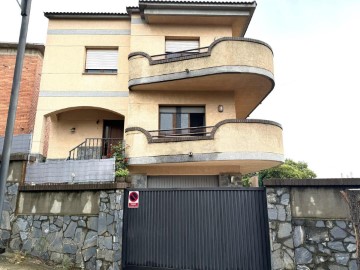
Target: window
{"x": 181, "y": 121}
{"x": 173, "y": 47}
{"x": 101, "y": 61}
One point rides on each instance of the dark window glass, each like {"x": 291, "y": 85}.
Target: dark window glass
{"x": 182, "y": 121}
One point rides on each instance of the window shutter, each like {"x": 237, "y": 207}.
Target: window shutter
{"x": 192, "y": 109}
{"x": 180, "y": 45}
{"x": 101, "y": 59}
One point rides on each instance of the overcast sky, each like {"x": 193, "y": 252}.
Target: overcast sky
{"x": 316, "y": 56}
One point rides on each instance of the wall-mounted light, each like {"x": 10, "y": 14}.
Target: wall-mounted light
{"x": 72, "y": 130}
{"x": 220, "y": 108}
{"x": 187, "y": 70}
{"x": 190, "y": 154}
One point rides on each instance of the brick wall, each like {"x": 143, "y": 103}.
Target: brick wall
{"x": 29, "y": 88}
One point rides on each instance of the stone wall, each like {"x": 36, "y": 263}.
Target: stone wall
{"x": 281, "y": 230}
{"x": 308, "y": 243}
{"x": 8, "y": 214}
{"x": 88, "y": 241}
{"x": 324, "y": 244}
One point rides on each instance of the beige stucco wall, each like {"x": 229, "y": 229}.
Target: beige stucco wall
{"x": 50, "y": 106}
{"x": 205, "y": 168}
{"x": 63, "y": 79}
{"x": 151, "y": 38}
{"x": 88, "y": 123}
{"x": 144, "y": 106}
{"x": 65, "y": 86}
{"x": 231, "y": 137}
{"x": 225, "y": 53}
{"x": 88, "y": 24}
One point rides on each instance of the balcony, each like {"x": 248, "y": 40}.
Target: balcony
{"x": 93, "y": 148}
{"x": 89, "y": 162}
{"x": 243, "y": 66}
{"x": 236, "y": 145}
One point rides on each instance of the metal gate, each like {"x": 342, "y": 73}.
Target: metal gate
{"x": 212, "y": 229}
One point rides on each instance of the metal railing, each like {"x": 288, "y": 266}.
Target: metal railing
{"x": 170, "y": 55}
{"x": 181, "y": 132}
{"x": 93, "y": 148}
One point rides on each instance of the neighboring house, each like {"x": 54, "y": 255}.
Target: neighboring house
{"x": 28, "y": 95}
{"x": 176, "y": 80}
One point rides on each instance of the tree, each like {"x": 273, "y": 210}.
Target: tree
{"x": 290, "y": 169}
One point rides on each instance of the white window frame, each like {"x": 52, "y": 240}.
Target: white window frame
{"x": 174, "y": 47}
{"x": 101, "y": 60}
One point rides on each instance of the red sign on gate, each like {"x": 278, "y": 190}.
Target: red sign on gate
{"x": 133, "y": 199}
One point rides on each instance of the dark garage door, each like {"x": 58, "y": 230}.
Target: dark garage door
{"x": 199, "y": 229}
{"x": 183, "y": 181}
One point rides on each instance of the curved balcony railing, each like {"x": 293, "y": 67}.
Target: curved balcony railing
{"x": 174, "y": 56}
{"x": 249, "y": 144}
{"x": 193, "y": 133}
{"x": 181, "y": 132}
{"x": 228, "y": 55}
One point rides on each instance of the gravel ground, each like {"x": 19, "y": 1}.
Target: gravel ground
{"x": 16, "y": 261}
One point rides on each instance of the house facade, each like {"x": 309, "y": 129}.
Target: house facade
{"x": 176, "y": 81}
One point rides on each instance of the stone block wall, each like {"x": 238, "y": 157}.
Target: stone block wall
{"x": 324, "y": 244}
{"x": 281, "y": 230}
{"x": 230, "y": 180}
{"x": 91, "y": 242}
{"x": 8, "y": 214}
{"x": 308, "y": 243}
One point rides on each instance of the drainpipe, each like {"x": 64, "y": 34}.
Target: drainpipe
{"x": 25, "y": 13}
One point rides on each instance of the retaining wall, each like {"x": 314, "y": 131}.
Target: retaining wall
{"x": 89, "y": 240}
{"x": 310, "y": 224}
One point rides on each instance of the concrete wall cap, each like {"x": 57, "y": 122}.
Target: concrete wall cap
{"x": 323, "y": 182}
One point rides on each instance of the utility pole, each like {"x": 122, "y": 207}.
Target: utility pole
{"x": 25, "y": 13}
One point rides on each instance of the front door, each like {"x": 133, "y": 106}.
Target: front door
{"x": 113, "y": 133}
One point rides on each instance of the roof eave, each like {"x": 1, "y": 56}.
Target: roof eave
{"x": 87, "y": 16}
{"x": 29, "y": 46}
{"x": 198, "y": 5}
{"x": 225, "y": 7}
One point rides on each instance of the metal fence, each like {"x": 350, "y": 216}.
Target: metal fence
{"x": 181, "y": 132}
{"x": 197, "y": 229}
{"x": 93, "y": 148}
{"x": 20, "y": 144}
{"x": 170, "y": 55}
{"x": 71, "y": 171}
